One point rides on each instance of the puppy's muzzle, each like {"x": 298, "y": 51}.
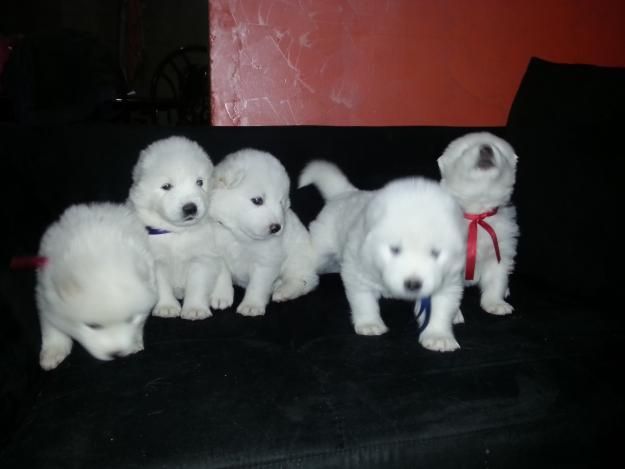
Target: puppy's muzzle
{"x": 189, "y": 210}
{"x": 413, "y": 284}
{"x": 486, "y": 157}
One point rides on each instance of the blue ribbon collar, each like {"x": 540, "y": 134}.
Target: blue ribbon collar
{"x": 156, "y": 231}
{"x": 425, "y": 308}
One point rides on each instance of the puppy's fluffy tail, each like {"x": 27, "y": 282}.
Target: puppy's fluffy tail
{"x": 328, "y": 178}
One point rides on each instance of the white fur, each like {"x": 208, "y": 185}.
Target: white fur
{"x": 479, "y": 190}
{"x": 409, "y": 231}
{"x": 172, "y": 174}
{"x": 98, "y": 285}
{"x": 266, "y": 263}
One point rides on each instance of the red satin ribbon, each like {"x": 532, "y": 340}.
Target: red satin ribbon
{"x": 478, "y": 219}
{"x": 27, "y": 262}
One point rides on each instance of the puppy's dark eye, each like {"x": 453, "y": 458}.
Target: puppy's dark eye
{"x": 199, "y": 182}
{"x": 167, "y": 186}
{"x": 395, "y": 250}
{"x": 94, "y": 325}
{"x": 435, "y": 253}
{"x": 257, "y": 200}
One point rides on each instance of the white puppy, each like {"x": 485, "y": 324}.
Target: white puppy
{"x": 266, "y": 247}
{"x": 97, "y": 285}
{"x": 479, "y": 170}
{"x": 403, "y": 241}
{"x": 170, "y": 194}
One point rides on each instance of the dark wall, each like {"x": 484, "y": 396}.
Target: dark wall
{"x": 167, "y": 24}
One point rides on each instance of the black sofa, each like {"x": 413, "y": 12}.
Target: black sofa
{"x": 297, "y": 387}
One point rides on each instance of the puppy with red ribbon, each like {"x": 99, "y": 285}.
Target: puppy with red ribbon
{"x": 479, "y": 169}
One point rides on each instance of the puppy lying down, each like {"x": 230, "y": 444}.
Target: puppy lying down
{"x": 97, "y": 285}
{"x": 403, "y": 241}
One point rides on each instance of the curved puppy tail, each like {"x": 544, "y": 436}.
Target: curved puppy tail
{"x": 328, "y": 178}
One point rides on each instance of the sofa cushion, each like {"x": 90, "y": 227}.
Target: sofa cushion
{"x": 297, "y": 387}
{"x": 565, "y": 124}
{"x": 567, "y": 194}
{"x": 553, "y": 94}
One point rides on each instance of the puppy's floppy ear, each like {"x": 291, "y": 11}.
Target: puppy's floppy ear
{"x": 443, "y": 162}
{"x": 137, "y": 170}
{"x": 373, "y": 214}
{"x": 229, "y": 178}
{"x": 66, "y": 285}
{"x": 506, "y": 150}
{"x": 509, "y": 155}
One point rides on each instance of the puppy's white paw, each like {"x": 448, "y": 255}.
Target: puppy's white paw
{"x": 218, "y": 302}
{"x": 458, "y": 318}
{"x": 194, "y": 313}
{"x": 251, "y": 309}
{"x": 438, "y": 342}
{"x": 289, "y": 290}
{"x": 166, "y": 311}
{"x": 370, "y": 328}
{"x": 52, "y": 355}
{"x": 222, "y": 297}
{"x": 499, "y": 308}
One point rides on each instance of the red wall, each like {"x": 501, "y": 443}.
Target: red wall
{"x": 394, "y": 62}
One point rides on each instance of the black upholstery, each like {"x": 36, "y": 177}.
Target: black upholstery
{"x": 297, "y": 387}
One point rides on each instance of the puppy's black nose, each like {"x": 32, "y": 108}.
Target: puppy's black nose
{"x": 412, "y": 284}
{"x": 486, "y": 158}
{"x": 189, "y": 209}
{"x": 274, "y": 228}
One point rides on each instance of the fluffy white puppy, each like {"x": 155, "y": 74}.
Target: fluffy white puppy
{"x": 266, "y": 247}
{"x": 97, "y": 285}
{"x": 479, "y": 171}
{"x": 170, "y": 195}
{"x": 403, "y": 241}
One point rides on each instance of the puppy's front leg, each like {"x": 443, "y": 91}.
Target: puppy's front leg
{"x": 55, "y": 345}
{"x": 438, "y": 334}
{"x": 494, "y": 286}
{"x": 201, "y": 276}
{"x": 258, "y": 291}
{"x": 167, "y": 305}
{"x": 365, "y": 309}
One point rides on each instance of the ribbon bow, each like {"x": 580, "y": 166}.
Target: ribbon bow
{"x": 27, "y": 262}
{"x": 475, "y": 220}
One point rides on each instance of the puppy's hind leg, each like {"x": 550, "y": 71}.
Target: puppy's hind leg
{"x": 201, "y": 278}
{"x": 222, "y": 295}
{"x": 494, "y": 285}
{"x": 55, "y": 345}
{"x": 298, "y": 275}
